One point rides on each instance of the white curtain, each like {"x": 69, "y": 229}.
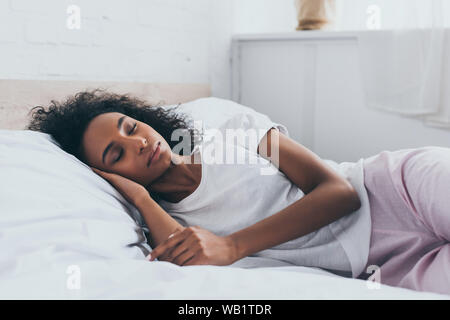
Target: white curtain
{"x": 404, "y": 55}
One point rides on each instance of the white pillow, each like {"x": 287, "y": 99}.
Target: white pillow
{"x": 53, "y": 206}
{"x": 217, "y": 113}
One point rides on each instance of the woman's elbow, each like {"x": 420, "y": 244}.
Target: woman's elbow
{"x": 352, "y": 195}
{"x": 354, "y": 199}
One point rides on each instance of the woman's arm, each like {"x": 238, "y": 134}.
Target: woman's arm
{"x": 328, "y": 197}
{"x": 160, "y": 224}
{"x": 328, "y": 202}
{"x": 302, "y": 166}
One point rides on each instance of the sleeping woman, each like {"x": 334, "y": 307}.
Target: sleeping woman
{"x": 387, "y": 214}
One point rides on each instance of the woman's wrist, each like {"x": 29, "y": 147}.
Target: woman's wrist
{"x": 143, "y": 200}
{"x": 237, "y": 252}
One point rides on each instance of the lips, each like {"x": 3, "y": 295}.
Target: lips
{"x": 152, "y": 153}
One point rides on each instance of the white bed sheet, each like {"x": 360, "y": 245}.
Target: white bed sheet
{"x": 140, "y": 279}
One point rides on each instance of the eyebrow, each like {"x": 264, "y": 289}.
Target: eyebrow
{"x": 119, "y": 124}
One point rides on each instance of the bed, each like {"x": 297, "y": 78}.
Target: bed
{"x": 68, "y": 234}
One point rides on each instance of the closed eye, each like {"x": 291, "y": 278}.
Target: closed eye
{"x": 119, "y": 156}
{"x": 133, "y": 129}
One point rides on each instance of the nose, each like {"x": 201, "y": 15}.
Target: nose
{"x": 141, "y": 144}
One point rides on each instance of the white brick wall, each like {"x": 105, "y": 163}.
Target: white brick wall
{"x": 132, "y": 40}
{"x": 119, "y": 40}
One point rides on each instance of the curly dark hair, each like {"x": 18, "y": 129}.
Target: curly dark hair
{"x": 66, "y": 121}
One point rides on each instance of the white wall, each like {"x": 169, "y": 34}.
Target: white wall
{"x": 221, "y": 30}
{"x": 264, "y": 16}
{"x": 132, "y": 40}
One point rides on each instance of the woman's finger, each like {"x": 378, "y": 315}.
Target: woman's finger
{"x": 168, "y": 244}
{"x": 191, "y": 261}
{"x": 183, "y": 257}
{"x": 166, "y": 255}
{"x": 106, "y": 175}
{"x": 99, "y": 172}
{"x": 181, "y": 249}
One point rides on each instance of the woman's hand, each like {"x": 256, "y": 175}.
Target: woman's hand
{"x": 196, "y": 246}
{"x": 130, "y": 190}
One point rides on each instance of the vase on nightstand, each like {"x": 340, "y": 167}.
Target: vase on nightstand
{"x": 315, "y": 14}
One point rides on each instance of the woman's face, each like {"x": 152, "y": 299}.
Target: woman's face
{"x": 119, "y": 144}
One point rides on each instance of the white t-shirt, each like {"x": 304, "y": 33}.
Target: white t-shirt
{"x": 231, "y": 197}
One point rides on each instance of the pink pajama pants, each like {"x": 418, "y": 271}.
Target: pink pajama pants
{"x": 409, "y": 195}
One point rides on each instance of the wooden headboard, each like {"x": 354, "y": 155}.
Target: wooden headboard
{"x": 17, "y": 97}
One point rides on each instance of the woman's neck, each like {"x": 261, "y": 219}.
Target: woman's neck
{"x": 179, "y": 180}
